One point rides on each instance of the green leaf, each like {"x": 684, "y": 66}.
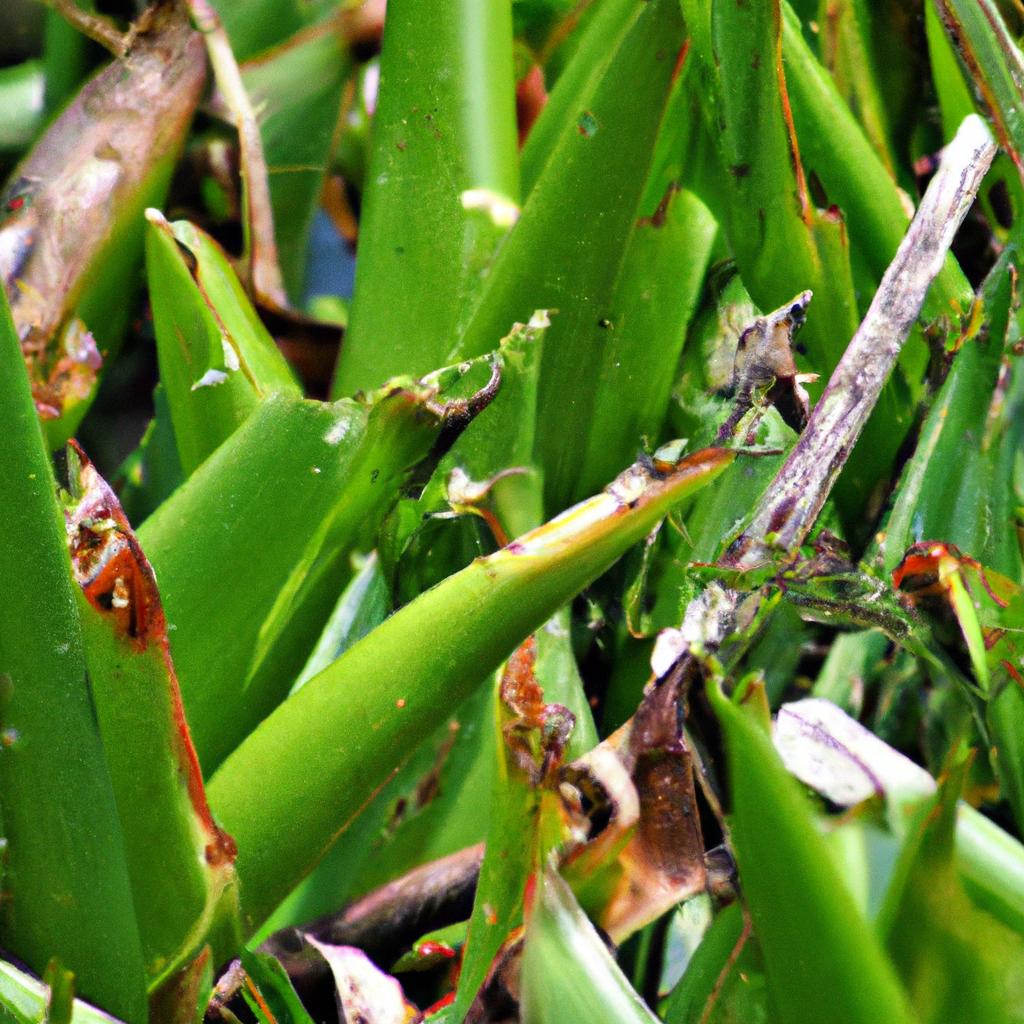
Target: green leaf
{"x": 831, "y": 143}
{"x": 64, "y": 865}
{"x": 568, "y": 249}
{"x": 724, "y": 981}
{"x": 568, "y": 972}
{"x": 958, "y": 963}
{"x": 179, "y": 862}
{"x": 993, "y": 63}
{"x": 217, "y": 360}
{"x": 821, "y": 958}
{"x": 275, "y": 989}
{"x": 651, "y": 306}
{"x": 337, "y": 740}
{"x": 441, "y": 190}
{"x": 21, "y": 100}
{"x": 782, "y": 244}
{"x": 973, "y": 506}
{"x": 297, "y": 90}
{"x": 316, "y": 478}
{"x": 24, "y": 1000}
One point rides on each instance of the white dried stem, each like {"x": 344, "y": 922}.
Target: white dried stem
{"x": 792, "y": 502}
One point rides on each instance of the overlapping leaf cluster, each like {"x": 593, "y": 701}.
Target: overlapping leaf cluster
{"x": 438, "y": 624}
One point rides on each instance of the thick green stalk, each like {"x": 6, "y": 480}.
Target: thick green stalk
{"x": 442, "y": 187}
{"x": 338, "y": 739}
{"x": 65, "y": 877}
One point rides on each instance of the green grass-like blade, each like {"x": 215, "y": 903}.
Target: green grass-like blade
{"x": 993, "y": 62}
{"x": 347, "y": 736}
{"x": 64, "y": 864}
{"x": 441, "y": 188}
{"x": 217, "y": 360}
{"x": 822, "y": 960}
{"x": 566, "y": 253}
{"x": 281, "y": 505}
{"x": 179, "y": 862}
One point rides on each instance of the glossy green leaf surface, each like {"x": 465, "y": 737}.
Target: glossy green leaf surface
{"x": 567, "y": 250}
{"x": 821, "y": 957}
{"x": 993, "y": 63}
{"x": 416, "y": 686}
{"x": 64, "y": 865}
{"x": 958, "y": 963}
{"x": 558, "y": 934}
{"x": 316, "y": 478}
{"x": 442, "y": 189}
{"x": 179, "y": 862}
{"x": 217, "y": 361}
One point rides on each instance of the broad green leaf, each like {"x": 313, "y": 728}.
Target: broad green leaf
{"x": 848, "y": 53}
{"x": 594, "y": 46}
{"x": 336, "y": 740}
{"x": 106, "y": 158}
{"x": 64, "y": 864}
{"x": 217, "y": 360}
{"x": 782, "y": 244}
{"x": 648, "y": 313}
{"x": 442, "y": 189}
{"x": 567, "y": 250}
{"x": 179, "y": 862}
{"x": 281, "y": 505}
{"x": 439, "y": 801}
{"x": 724, "y": 981}
{"x": 568, "y": 972}
{"x": 958, "y": 963}
{"x": 821, "y": 958}
{"x": 296, "y": 90}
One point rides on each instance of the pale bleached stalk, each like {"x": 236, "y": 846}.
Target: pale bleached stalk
{"x": 258, "y": 216}
{"x": 791, "y": 504}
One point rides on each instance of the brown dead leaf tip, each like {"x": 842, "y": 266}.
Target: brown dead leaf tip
{"x": 537, "y": 736}
{"x": 106, "y": 559}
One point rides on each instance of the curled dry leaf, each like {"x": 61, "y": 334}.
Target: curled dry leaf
{"x": 365, "y": 993}
{"x": 650, "y": 855}
{"x": 764, "y": 368}
{"x": 838, "y": 757}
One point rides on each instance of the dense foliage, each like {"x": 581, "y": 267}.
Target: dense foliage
{"x": 605, "y": 607}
